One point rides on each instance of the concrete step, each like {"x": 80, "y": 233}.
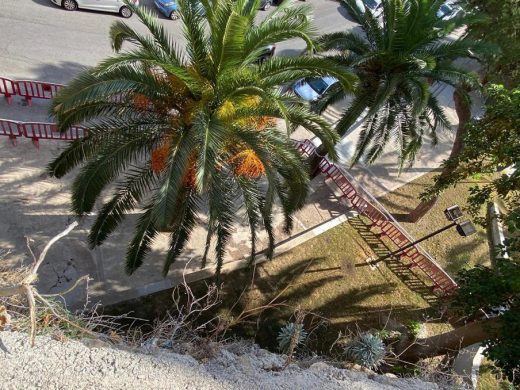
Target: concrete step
{"x": 332, "y": 115}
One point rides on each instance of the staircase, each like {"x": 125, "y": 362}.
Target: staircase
{"x": 382, "y": 221}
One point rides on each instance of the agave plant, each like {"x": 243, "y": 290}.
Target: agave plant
{"x": 183, "y": 132}
{"x": 367, "y": 350}
{"x": 287, "y": 333}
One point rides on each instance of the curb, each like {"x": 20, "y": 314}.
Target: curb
{"x": 280, "y": 248}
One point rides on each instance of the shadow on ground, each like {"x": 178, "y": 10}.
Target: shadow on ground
{"x": 406, "y": 274}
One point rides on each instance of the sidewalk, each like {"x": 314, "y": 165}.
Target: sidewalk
{"x": 36, "y": 206}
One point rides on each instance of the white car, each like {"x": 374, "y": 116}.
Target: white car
{"x": 374, "y": 5}
{"x": 448, "y": 11}
{"x": 116, "y": 6}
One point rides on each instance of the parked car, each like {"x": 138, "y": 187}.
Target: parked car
{"x": 116, "y": 6}
{"x": 312, "y": 90}
{"x": 267, "y": 53}
{"x": 376, "y": 6}
{"x": 361, "y": 5}
{"x": 168, "y": 8}
{"x": 266, "y": 4}
{"x": 448, "y": 11}
{"x": 373, "y": 4}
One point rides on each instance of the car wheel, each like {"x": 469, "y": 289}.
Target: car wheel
{"x": 125, "y": 12}
{"x": 267, "y": 5}
{"x": 174, "y": 15}
{"x": 69, "y": 5}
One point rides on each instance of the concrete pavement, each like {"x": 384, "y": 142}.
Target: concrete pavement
{"x": 41, "y": 41}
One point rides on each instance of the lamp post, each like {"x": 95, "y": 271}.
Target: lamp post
{"x": 454, "y": 214}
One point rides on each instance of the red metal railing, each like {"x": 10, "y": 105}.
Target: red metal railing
{"x": 382, "y": 219}
{"x": 36, "y": 89}
{"x": 7, "y": 88}
{"x": 37, "y": 131}
{"x": 28, "y": 89}
{"x": 10, "y": 129}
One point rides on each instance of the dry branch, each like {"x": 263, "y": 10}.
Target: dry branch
{"x": 27, "y": 285}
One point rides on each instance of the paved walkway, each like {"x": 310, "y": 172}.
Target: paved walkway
{"x": 36, "y": 206}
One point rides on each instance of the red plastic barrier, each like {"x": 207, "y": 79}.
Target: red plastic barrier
{"x": 12, "y": 129}
{"x": 36, "y": 89}
{"x": 8, "y": 88}
{"x": 37, "y": 131}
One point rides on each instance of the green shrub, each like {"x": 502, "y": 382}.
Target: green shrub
{"x": 414, "y": 327}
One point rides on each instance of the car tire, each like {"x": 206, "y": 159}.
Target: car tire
{"x": 174, "y": 15}
{"x": 69, "y": 5}
{"x": 267, "y": 5}
{"x": 125, "y": 12}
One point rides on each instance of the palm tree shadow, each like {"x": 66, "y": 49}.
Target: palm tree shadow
{"x": 399, "y": 269}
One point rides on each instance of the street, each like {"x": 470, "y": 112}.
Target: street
{"x": 41, "y": 41}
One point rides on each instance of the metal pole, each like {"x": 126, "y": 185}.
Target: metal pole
{"x": 414, "y": 243}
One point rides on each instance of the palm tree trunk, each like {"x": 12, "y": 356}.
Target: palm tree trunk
{"x": 463, "y": 110}
{"x": 314, "y": 161}
{"x": 454, "y": 340}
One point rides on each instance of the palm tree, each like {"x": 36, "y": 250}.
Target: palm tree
{"x": 182, "y": 131}
{"x": 397, "y": 60}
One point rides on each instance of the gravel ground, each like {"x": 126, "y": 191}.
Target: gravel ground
{"x": 53, "y": 364}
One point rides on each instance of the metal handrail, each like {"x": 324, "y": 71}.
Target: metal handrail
{"x": 310, "y": 148}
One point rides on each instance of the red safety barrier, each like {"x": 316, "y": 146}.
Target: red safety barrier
{"x": 36, "y": 89}
{"x": 37, "y": 131}
{"x": 7, "y": 88}
{"x": 11, "y": 129}
{"x": 28, "y": 89}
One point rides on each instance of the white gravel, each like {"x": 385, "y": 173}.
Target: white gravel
{"x": 67, "y": 365}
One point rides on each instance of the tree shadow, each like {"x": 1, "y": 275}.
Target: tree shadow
{"x": 459, "y": 254}
{"x": 403, "y": 271}
{"x": 61, "y": 72}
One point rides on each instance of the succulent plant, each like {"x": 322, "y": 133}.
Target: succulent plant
{"x": 286, "y": 334}
{"x": 367, "y": 350}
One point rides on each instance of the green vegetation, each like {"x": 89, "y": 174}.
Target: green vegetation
{"x": 491, "y": 144}
{"x": 291, "y": 333}
{"x": 501, "y": 27}
{"x": 495, "y": 291}
{"x": 366, "y": 349}
{"x": 328, "y": 277}
{"x": 397, "y": 63}
{"x": 192, "y": 131}
{"x": 490, "y": 378}
{"x": 450, "y": 250}
{"x": 414, "y": 327}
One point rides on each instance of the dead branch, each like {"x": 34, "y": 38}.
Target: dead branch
{"x": 27, "y": 286}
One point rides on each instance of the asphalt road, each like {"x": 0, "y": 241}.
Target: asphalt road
{"x": 41, "y": 41}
